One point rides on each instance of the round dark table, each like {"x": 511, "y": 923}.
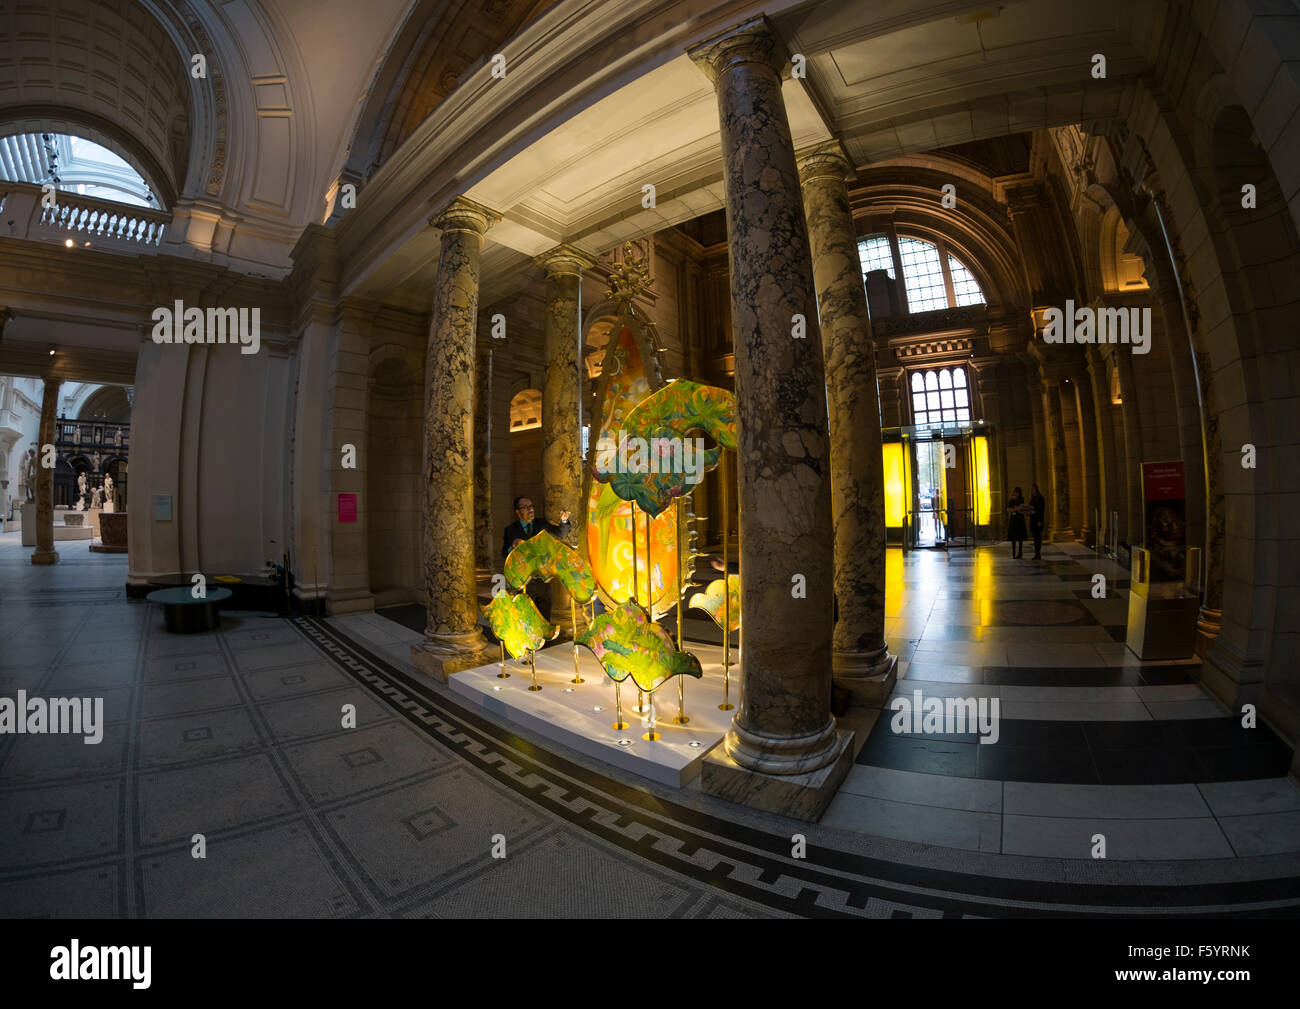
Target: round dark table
{"x": 183, "y": 614}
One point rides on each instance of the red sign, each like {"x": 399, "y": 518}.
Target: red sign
{"x": 347, "y": 507}
{"x": 1163, "y": 481}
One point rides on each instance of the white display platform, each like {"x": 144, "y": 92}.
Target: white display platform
{"x": 564, "y": 711}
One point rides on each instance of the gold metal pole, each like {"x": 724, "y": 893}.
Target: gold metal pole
{"x": 532, "y": 664}
{"x": 682, "y": 718}
{"x": 636, "y": 589}
{"x": 618, "y": 707}
{"x": 726, "y": 705}
{"x": 503, "y": 675}
{"x": 650, "y": 735}
{"x": 573, "y": 617}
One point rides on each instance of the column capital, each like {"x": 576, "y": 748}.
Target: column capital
{"x": 825, "y": 161}
{"x": 564, "y": 260}
{"x": 752, "y": 41}
{"x": 464, "y": 215}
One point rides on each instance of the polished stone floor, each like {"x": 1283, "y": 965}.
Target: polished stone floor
{"x": 237, "y": 735}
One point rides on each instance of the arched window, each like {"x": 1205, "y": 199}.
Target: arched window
{"x": 73, "y": 164}
{"x": 940, "y": 396}
{"x": 933, "y": 277}
{"x": 526, "y": 410}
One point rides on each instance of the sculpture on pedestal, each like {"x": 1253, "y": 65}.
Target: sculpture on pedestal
{"x": 30, "y": 470}
{"x": 109, "y": 505}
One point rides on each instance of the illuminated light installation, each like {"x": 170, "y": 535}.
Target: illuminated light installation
{"x": 646, "y": 461}
{"x": 983, "y": 503}
{"x": 895, "y": 483}
{"x": 609, "y": 543}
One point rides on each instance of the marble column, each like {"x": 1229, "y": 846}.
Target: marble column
{"x": 561, "y": 429}
{"x": 783, "y": 752}
{"x": 1089, "y": 468}
{"x": 45, "y": 552}
{"x": 860, "y": 658}
{"x": 1058, "y": 518}
{"x": 452, "y": 640}
{"x": 485, "y": 556}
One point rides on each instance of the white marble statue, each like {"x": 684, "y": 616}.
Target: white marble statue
{"x": 108, "y": 494}
{"x": 81, "y": 490}
{"x": 94, "y": 498}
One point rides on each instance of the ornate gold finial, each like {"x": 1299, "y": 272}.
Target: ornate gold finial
{"x": 629, "y": 278}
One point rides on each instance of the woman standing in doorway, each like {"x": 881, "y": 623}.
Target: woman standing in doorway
{"x": 1037, "y": 517}
{"x": 1016, "y": 527}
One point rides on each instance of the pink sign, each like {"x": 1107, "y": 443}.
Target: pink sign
{"x": 347, "y": 507}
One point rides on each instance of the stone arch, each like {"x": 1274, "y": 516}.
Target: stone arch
{"x": 108, "y": 401}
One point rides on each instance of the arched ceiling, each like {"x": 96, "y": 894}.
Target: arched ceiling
{"x": 440, "y": 41}
{"x": 98, "y": 70}
{"x": 246, "y": 154}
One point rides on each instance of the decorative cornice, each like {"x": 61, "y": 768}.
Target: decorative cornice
{"x": 826, "y": 161}
{"x": 464, "y": 215}
{"x": 753, "y": 41}
{"x": 564, "y": 260}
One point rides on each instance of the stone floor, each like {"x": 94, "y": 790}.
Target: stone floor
{"x": 237, "y": 735}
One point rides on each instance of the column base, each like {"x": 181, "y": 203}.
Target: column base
{"x": 441, "y": 655}
{"x": 1208, "y": 625}
{"x": 45, "y": 557}
{"x": 1061, "y": 536}
{"x": 1233, "y": 678}
{"x": 798, "y": 796}
{"x": 868, "y": 676}
{"x": 1085, "y": 535}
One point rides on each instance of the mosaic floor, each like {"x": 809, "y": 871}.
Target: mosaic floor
{"x": 237, "y": 735}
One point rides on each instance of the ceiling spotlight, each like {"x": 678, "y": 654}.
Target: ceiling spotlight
{"x": 69, "y": 243}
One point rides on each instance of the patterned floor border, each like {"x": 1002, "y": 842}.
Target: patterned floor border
{"x": 737, "y": 858}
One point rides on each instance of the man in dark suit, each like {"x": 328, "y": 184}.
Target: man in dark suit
{"x": 525, "y": 527}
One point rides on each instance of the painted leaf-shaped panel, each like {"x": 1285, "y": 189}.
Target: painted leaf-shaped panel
{"x": 713, "y": 602}
{"x": 654, "y": 456}
{"x": 517, "y": 622}
{"x": 545, "y": 557}
{"x": 628, "y": 644}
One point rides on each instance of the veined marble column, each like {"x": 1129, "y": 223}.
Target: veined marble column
{"x": 783, "y": 752}
{"x": 485, "y": 556}
{"x": 45, "y": 552}
{"x": 452, "y": 640}
{"x": 561, "y": 431}
{"x": 860, "y": 658}
{"x": 1059, "y": 528}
